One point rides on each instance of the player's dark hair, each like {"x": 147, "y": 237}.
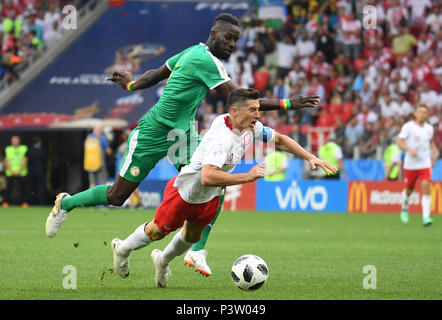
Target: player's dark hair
{"x": 238, "y": 97}
{"x": 226, "y": 18}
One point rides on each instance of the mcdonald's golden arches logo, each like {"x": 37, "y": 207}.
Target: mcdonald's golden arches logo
{"x": 357, "y": 197}
{"x": 436, "y": 198}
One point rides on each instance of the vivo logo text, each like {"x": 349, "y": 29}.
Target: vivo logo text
{"x": 293, "y": 199}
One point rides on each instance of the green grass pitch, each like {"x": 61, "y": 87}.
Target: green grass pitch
{"x": 310, "y": 256}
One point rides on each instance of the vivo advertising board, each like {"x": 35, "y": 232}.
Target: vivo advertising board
{"x": 302, "y": 196}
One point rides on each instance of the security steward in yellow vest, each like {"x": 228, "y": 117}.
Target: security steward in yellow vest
{"x": 331, "y": 152}
{"x": 16, "y": 165}
{"x": 276, "y": 166}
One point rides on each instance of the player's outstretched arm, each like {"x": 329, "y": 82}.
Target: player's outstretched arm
{"x": 214, "y": 177}
{"x": 294, "y": 103}
{"x": 150, "y": 78}
{"x": 287, "y": 144}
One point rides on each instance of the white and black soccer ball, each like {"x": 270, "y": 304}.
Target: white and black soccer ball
{"x": 249, "y": 272}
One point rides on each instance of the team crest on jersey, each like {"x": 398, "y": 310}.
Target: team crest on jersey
{"x": 135, "y": 171}
{"x": 247, "y": 138}
{"x": 224, "y": 74}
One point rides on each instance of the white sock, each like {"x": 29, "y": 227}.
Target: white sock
{"x": 175, "y": 248}
{"x": 405, "y": 200}
{"x": 137, "y": 240}
{"x": 426, "y": 206}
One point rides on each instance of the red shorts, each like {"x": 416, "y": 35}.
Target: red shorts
{"x": 173, "y": 210}
{"x": 410, "y": 176}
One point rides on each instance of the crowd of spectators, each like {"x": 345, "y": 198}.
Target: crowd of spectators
{"x": 369, "y": 80}
{"x": 27, "y": 28}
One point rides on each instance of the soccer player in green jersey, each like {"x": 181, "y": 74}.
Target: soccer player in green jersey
{"x": 191, "y": 74}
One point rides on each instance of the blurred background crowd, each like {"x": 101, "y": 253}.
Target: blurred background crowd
{"x": 27, "y": 28}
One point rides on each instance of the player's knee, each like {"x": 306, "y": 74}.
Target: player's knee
{"x": 155, "y": 236}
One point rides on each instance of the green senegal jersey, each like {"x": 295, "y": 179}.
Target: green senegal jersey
{"x": 194, "y": 71}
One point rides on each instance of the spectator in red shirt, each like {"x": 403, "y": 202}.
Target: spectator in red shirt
{"x": 352, "y": 39}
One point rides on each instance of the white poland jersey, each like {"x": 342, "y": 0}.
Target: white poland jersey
{"x": 417, "y": 138}
{"x": 219, "y": 147}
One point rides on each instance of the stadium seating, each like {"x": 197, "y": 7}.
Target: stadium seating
{"x": 257, "y": 45}
{"x": 324, "y": 120}
{"x": 261, "y": 79}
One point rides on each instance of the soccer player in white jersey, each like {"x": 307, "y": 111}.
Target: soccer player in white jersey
{"x": 416, "y": 139}
{"x": 192, "y": 197}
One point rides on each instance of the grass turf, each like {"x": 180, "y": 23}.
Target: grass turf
{"x": 310, "y": 256}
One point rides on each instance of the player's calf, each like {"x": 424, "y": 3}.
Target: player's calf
{"x": 120, "y": 191}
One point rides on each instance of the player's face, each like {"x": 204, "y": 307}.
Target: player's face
{"x": 225, "y": 42}
{"x": 421, "y": 115}
{"x": 248, "y": 114}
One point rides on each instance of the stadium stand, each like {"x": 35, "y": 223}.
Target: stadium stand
{"x": 402, "y": 55}
{"x": 28, "y": 28}
{"x": 316, "y": 47}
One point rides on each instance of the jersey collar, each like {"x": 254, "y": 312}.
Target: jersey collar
{"x": 228, "y": 125}
{"x": 417, "y": 123}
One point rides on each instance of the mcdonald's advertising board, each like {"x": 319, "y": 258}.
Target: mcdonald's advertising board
{"x": 385, "y": 197}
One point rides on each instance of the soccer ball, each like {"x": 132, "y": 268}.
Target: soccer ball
{"x": 249, "y": 272}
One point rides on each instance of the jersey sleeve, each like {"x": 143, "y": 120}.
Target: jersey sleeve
{"x": 404, "y": 132}
{"x": 263, "y": 133}
{"x": 432, "y": 132}
{"x": 171, "y": 62}
{"x": 210, "y": 71}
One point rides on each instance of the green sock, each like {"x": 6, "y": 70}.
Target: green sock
{"x": 91, "y": 197}
{"x": 202, "y": 243}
